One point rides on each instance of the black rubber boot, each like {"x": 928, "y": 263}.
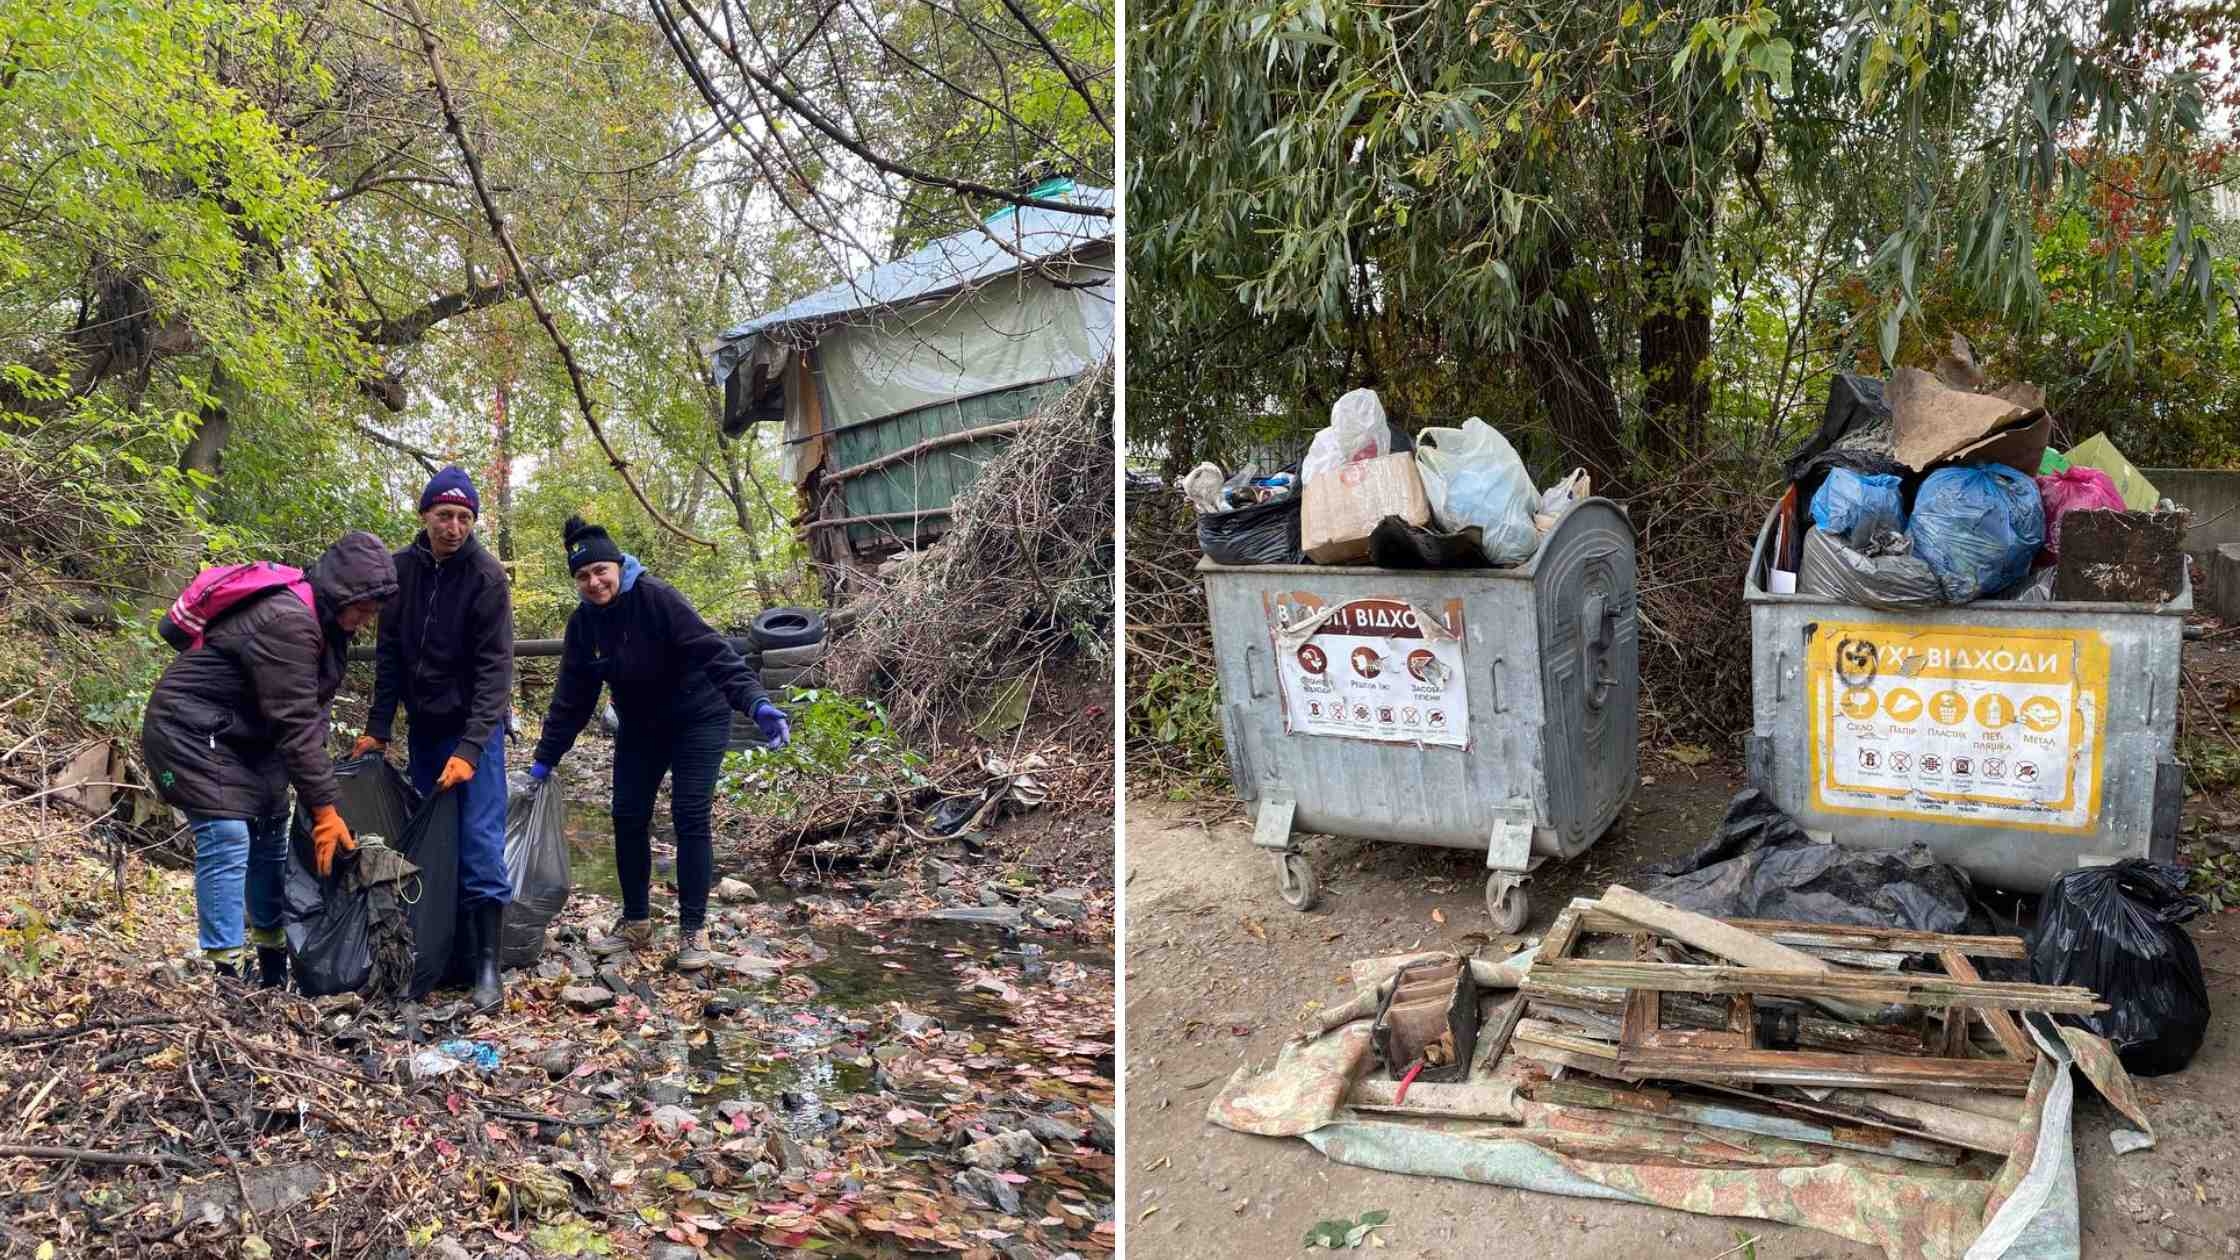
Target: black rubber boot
{"x": 272, "y": 967}
{"x": 489, "y": 991}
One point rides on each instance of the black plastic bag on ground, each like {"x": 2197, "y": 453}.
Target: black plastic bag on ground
{"x": 536, "y": 866}
{"x": 431, "y": 840}
{"x": 2115, "y": 930}
{"x": 1761, "y": 865}
{"x": 1265, "y": 533}
{"x": 327, "y": 922}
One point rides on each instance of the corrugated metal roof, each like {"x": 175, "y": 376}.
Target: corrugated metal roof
{"x": 1008, "y": 240}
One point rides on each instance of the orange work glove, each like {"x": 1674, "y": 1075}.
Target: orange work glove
{"x": 455, "y": 772}
{"x": 329, "y": 835}
{"x": 367, "y": 744}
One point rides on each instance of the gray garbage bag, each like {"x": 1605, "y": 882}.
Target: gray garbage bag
{"x": 1895, "y": 582}
{"x": 536, "y": 865}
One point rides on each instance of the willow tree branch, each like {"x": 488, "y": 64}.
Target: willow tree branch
{"x": 458, "y": 130}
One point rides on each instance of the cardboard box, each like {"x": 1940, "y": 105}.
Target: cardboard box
{"x": 1342, "y": 507}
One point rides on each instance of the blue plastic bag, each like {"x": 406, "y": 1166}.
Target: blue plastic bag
{"x": 1978, "y": 527}
{"x": 1859, "y": 506}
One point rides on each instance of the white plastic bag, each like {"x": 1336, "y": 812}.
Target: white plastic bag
{"x": 1473, "y": 477}
{"x": 1202, "y": 486}
{"x": 1562, "y": 495}
{"x": 1357, "y": 431}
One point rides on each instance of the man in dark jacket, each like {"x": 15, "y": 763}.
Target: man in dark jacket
{"x": 239, "y": 715}
{"x": 446, "y": 653}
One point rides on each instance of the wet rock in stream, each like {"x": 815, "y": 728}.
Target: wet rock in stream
{"x": 987, "y": 1188}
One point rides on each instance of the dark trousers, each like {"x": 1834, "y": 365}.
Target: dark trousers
{"x": 692, "y": 754}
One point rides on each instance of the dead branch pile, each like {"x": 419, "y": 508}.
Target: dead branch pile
{"x": 1170, "y": 645}
{"x": 159, "y": 1113}
{"x": 1022, "y": 579}
{"x": 884, "y": 814}
{"x": 76, "y": 528}
{"x": 1693, "y": 534}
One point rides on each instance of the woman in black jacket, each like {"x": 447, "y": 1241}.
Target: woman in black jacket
{"x": 241, "y": 713}
{"x": 675, "y": 682}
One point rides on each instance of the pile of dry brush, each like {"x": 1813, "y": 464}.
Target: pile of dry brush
{"x": 1021, "y": 581}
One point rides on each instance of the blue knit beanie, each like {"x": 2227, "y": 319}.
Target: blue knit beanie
{"x": 451, "y": 486}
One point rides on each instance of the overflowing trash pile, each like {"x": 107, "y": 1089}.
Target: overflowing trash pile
{"x": 1869, "y": 1082}
{"x": 1368, "y": 494}
{"x": 1932, "y": 490}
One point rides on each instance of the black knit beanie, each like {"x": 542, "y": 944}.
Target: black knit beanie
{"x": 587, "y": 544}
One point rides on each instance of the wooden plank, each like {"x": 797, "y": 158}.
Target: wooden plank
{"x": 1927, "y": 1119}
{"x": 1798, "y": 1067}
{"x": 1693, "y": 1038}
{"x": 1641, "y": 1018}
{"x": 1491, "y": 1048}
{"x": 1813, "y": 1032}
{"x": 1705, "y": 933}
{"x": 1563, "y": 934}
{"x": 1455, "y": 1100}
{"x": 1742, "y": 1020}
{"x": 1547, "y": 1043}
{"x": 1816, "y": 1132}
{"x": 1997, "y": 1108}
{"x": 1823, "y": 936}
{"x": 1907, "y": 988}
{"x": 2010, "y": 1036}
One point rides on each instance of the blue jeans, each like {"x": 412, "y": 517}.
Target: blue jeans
{"x": 692, "y": 755}
{"x": 482, "y": 812}
{"x": 233, "y": 855}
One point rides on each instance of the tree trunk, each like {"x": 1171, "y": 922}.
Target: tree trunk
{"x": 501, "y": 466}
{"x": 1564, "y": 354}
{"x": 735, "y": 489}
{"x": 205, "y": 451}
{"x": 1676, "y": 333}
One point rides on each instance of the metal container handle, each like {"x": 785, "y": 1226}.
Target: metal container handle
{"x": 1251, "y": 675}
{"x": 1495, "y": 674}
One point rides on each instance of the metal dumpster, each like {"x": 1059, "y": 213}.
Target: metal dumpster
{"x": 2016, "y": 740}
{"x": 1493, "y": 709}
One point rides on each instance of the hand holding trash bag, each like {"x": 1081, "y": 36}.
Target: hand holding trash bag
{"x": 367, "y": 744}
{"x": 329, "y": 835}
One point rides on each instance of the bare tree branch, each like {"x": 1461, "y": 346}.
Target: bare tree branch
{"x": 1073, "y": 76}
{"x": 458, "y": 130}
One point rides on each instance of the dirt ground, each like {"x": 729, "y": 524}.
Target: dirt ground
{"x": 1219, "y": 971}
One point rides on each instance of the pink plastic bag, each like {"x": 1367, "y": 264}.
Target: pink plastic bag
{"x": 215, "y": 590}
{"x": 2072, "y": 488}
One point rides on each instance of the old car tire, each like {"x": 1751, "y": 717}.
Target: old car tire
{"x": 787, "y": 627}
{"x": 805, "y": 654}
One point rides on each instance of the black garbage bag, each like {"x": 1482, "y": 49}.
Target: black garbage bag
{"x": 1396, "y": 544}
{"x": 329, "y": 924}
{"x": 1855, "y": 425}
{"x": 1761, "y": 865}
{"x": 325, "y": 922}
{"x": 1265, "y": 533}
{"x": 536, "y": 865}
{"x": 440, "y": 957}
{"x": 2115, "y": 930}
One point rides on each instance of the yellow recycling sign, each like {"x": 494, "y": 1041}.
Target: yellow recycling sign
{"x": 1967, "y": 724}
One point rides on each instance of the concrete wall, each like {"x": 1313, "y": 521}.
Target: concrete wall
{"x": 2214, "y": 496}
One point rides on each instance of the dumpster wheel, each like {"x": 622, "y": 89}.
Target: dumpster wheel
{"x": 1507, "y": 903}
{"x": 1296, "y": 882}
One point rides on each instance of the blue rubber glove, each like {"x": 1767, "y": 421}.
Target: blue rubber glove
{"x": 538, "y": 770}
{"x": 775, "y": 730}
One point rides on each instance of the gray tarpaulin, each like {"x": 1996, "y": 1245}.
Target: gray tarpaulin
{"x": 1009, "y": 240}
